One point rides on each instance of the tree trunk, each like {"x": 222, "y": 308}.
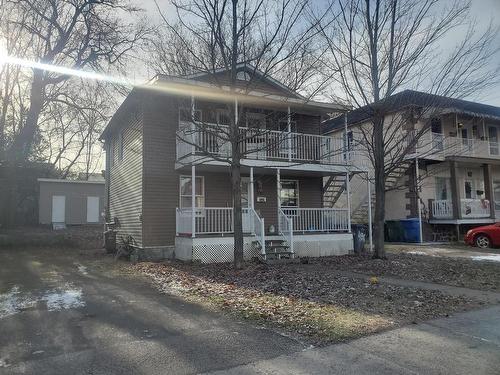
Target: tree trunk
{"x": 237, "y": 213}
{"x": 24, "y": 142}
{"x": 379, "y": 166}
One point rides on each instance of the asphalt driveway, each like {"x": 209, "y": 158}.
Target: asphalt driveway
{"x": 64, "y": 313}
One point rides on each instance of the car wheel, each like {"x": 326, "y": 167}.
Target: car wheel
{"x": 482, "y": 241}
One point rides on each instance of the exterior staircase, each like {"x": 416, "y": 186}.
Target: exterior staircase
{"x": 278, "y": 249}
{"x": 336, "y": 185}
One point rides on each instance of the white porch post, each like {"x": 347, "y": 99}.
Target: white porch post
{"x": 193, "y": 201}
{"x": 278, "y": 190}
{"x": 236, "y": 111}
{"x": 348, "y": 191}
{"x": 419, "y": 209}
{"x": 289, "y": 130}
{"x": 370, "y": 234}
{"x": 252, "y": 203}
{"x": 193, "y": 136}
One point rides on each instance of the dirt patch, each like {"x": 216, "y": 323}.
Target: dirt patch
{"x": 453, "y": 271}
{"x": 321, "y": 307}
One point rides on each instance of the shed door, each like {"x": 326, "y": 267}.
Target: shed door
{"x": 58, "y": 208}
{"x": 92, "y": 209}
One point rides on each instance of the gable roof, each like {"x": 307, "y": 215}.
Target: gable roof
{"x": 412, "y": 98}
{"x": 258, "y": 77}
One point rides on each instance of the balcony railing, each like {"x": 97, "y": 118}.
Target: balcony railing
{"x": 261, "y": 144}
{"x": 437, "y": 144}
{"x": 470, "y": 209}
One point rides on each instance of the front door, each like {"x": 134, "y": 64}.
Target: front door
{"x": 493, "y": 139}
{"x": 92, "y": 209}
{"x": 245, "y": 204}
{"x": 58, "y": 209}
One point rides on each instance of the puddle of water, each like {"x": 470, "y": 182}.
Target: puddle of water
{"x": 492, "y": 258}
{"x": 15, "y": 301}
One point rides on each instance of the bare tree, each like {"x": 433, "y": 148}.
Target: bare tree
{"x": 74, "y": 34}
{"x": 378, "y": 47}
{"x": 214, "y": 35}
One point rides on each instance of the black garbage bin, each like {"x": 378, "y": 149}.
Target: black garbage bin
{"x": 359, "y": 236}
{"x": 110, "y": 241}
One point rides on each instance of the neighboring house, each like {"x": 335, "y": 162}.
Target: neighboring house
{"x": 458, "y": 161}
{"x": 151, "y": 169}
{"x": 70, "y": 202}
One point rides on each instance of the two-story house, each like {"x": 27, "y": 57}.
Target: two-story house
{"x": 169, "y": 189}
{"x": 457, "y": 159}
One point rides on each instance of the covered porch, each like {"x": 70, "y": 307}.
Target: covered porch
{"x": 469, "y": 194}
{"x": 283, "y": 205}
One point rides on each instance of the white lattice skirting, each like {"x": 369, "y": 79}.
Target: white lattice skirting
{"x": 220, "y": 249}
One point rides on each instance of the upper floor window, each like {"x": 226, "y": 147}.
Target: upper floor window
{"x": 112, "y": 152}
{"x": 222, "y": 116}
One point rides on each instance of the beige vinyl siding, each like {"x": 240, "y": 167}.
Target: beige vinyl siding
{"x": 126, "y": 179}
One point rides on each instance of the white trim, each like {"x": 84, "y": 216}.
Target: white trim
{"x": 58, "y": 180}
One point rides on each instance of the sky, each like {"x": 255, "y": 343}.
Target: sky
{"x": 484, "y": 11}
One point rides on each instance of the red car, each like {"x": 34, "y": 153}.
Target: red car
{"x": 485, "y": 236}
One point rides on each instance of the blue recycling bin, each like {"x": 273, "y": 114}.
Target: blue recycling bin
{"x": 411, "y": 228}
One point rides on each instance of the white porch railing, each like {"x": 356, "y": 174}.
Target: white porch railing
{"x": 258, "y": 229}
{"x": 318, "y": 219}
{"x": 212, "y": 220}
{"x": 475, "y": 208}
{"x": 442, "y": 209}
{"x": 437, "y": 144}
{"x": 261, "y": 144}
{"x": 285, "y": 228}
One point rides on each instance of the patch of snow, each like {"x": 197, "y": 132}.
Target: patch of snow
{"x": 417, "y": 252}
{"x": 491, "y": 258}
{"x": 82, "y": 269}
{"x": 14, "y": 302}
{"x": 63, "y": 299}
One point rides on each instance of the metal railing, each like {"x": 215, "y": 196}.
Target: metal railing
{"x": 470, "y": 208}
{"x": 474, "y": 208}
{"x": 318, "y": 219}
{"x": 262, "y": 144}
{"x": 442, "y": 209}
{"x": 437, "y": 144}
{"x": 285, "y": 228}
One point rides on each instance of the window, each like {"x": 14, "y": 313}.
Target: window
{"x": 289, "y": 193}
{"x": 112, "y": 152}
{"x": 468, "y": 188}
{"x": 222, "y": 117}
{"x": 442, "y": 188}
{"x": 185, "y": 191}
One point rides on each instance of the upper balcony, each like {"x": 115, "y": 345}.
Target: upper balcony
{"x": 205, "y": 142}
{"x": 437, "y": 146}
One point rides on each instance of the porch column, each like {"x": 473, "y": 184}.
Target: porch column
{"x": 370, "y": 234}
{"x": 193, "y": 128}
{"x": 252, "y": 203}
{"x": 348, "y": 191}
{"x": 236, "y": 111}
{"x": 488, "y": 188}
{"x": 278, "y": 186}
{"x": 193, "y": 201}
{"x": 455, "y": 191}
{"x": 289, "y": 138}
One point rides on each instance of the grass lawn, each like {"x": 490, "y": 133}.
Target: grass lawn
{"x": 309, "y": 301}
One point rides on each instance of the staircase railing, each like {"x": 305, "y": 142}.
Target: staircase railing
{"x": 285, "y": 229}
{"x": 258, "y": 230}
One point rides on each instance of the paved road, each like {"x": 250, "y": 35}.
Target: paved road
{"x": 61, "y": 314}
{"x": 467, "y": 344}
